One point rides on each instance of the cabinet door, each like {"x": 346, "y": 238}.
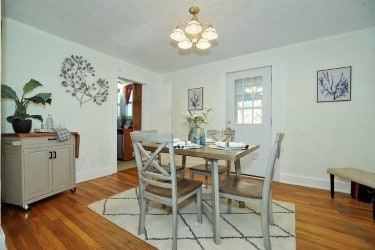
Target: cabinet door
{"x": 63, "y": 167}
{"x": 38, "y": 172}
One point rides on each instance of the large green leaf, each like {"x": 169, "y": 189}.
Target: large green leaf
{"x": 40, "y": 98}
{"x": 8, "y": 92}
{"x": 31, "y": 85}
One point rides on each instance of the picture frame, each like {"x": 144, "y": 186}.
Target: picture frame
{"x": 195, "y": 99}
{"x": 334, "y": 85}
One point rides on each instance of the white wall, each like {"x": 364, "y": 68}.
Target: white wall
{"x": 30, "y": 53}
{"x": 318, "y": 135}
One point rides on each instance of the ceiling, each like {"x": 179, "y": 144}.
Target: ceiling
{"x": 138, "y": 31}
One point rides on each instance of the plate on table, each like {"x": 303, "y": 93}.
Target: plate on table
{"x": 230, "y": 145}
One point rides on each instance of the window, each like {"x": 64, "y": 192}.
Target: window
{"x": 248, "y": 100}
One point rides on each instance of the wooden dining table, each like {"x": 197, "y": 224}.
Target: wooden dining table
{"x": 210, "y": 153}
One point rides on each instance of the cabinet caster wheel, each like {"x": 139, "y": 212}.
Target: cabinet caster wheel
{"x": 26, "y": 207}
{"x": 73, "y": 190}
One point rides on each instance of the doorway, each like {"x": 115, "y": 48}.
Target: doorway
{"x": 249, "y": 113}
{"x": 129, "y": 118}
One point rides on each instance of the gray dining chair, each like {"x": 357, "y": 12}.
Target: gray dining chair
{"x": 179, "y": 167}
{"x": 205, "y": 168}
{"x": 157, "y": 184}
{"x": 258, "y": 191}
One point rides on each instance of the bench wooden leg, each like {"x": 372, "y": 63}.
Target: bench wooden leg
{"x": 332, "y": 178}
{"x": 373, "y": 204}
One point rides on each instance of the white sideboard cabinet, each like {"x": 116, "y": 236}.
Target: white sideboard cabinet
{"x": 35, "y": 167}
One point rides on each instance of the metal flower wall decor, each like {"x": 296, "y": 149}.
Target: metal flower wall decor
{"x": 78, "y": 75}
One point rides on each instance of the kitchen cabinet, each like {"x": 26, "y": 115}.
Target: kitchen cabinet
{"x": 35, "y": 167}
{"x": 124, "y": 144}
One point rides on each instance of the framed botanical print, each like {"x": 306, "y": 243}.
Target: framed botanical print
{"x": 334, "y": 85}
{"x": 195, "y": 99}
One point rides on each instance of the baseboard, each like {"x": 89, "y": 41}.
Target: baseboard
{"x": 93, "y": 174}
{"x": 315, "y": 182}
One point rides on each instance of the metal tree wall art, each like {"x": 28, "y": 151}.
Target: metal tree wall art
{"x": 334, "y": 84}
{"x": 78, "y": 75}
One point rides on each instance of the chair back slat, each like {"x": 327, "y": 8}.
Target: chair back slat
{"x": 158, "y": 183}
{"x": 275, "y": 154}
{"x": 222, "y": 135}
{"x": 149, "y": 169}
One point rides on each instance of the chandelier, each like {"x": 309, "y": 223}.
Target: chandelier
{"x": 194, "y": 33}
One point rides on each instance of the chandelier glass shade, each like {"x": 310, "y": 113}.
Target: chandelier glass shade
{"x": 194, "y": 33}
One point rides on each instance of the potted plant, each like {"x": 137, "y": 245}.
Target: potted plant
{"x": 21, "y": 120}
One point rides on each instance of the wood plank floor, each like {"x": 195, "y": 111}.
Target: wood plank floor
{"x": 64, "y": 221}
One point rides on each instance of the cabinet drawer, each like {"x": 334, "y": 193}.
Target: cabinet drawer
{"x": 45, "y": 141}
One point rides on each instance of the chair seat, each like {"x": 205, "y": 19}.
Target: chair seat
{"x": 184, "y": 187}
{"x": 168, "y": 168}
{"x": 207, "y": 168}
{"x": 240, "y": 186}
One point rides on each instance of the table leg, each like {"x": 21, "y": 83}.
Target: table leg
{"x": 237, "y": 165}
{"x": 215, "y": 201}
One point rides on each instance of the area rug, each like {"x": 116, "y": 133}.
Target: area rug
{"x": 239, "y": 230}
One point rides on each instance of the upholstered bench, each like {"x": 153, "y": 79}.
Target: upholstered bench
{"x": 355, "y": 175}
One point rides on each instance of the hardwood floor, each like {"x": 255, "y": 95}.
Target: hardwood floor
{"x": 64, "y": 221}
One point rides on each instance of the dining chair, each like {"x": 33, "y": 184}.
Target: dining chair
{"x": 157, "y": 184}
{"x": 179, "y": 167}
{"x": 205, "y": 168}
{"x": 258, "y": 191}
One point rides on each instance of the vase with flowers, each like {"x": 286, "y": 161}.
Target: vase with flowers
{"x": 195, "y": 120}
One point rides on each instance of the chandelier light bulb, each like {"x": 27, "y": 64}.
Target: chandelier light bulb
{"x": 210, "y": 34}
{"x": 185, "y": 44}
{"x": 203, "y": 44}
{"x": 178, "y": 35}
{"x": 193, "y": 27}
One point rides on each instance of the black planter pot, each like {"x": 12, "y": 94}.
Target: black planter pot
{"x": 20, "y": 126}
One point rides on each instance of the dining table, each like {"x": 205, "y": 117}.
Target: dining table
{"x": 213, "y": 154}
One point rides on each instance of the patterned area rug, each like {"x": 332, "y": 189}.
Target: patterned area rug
{"x": 239, "y": 230}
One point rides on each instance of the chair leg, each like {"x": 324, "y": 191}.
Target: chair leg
{"x": 229, "y": 206}
{"x": 265, "y": 226}
{"x": 266, "y": 232}
{"x": 332, "y": 179}
{"x": 191, "y": 174}
{"x": 228, "y": 167}
{"x": 206, "y": 181}
{"x": 373, "y": 203}
{"x": 270, "y": 210}
{"x": 142, "y": 216}
{"x": 175, "y": 224}
{"x": 199, "y": 205}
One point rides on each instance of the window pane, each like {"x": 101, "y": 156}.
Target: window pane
{"x": 248, "y": 118}
{"x": 257, "y": 116}
{"x": 257, "y": 101}
{"x": 258, "y": 80}
{"x": 239, "y": 117}
{"x": 247, "y": 101}
{"x": 129, "y": 110}
{"x": 238, "y": 86}
{"x": 247, "y": 85}
{"x": 238, "y": 101}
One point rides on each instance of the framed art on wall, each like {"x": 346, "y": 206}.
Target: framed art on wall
{"x": 195, "y": 99}
{"x": 334, "y": 85}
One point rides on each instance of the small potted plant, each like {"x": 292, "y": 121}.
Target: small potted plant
{"x": 21, "y": 120}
